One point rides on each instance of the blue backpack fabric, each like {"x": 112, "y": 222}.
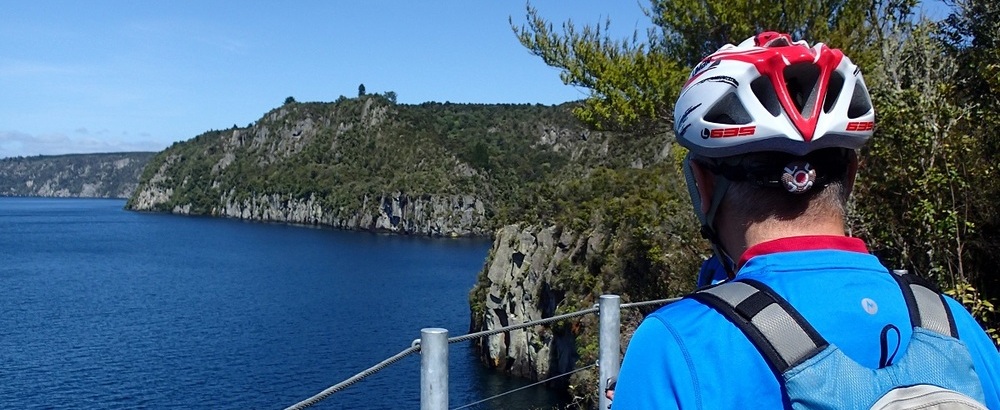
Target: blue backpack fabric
{"x": 935, "y": 372}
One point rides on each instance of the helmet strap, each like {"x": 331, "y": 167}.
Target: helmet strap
{"x": 721, "y": 185}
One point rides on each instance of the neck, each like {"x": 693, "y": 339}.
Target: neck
{"x": 745, "y": 235}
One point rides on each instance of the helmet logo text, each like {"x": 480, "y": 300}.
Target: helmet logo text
{"x": 729, "y": 132}
{"x": 861, "y": 126}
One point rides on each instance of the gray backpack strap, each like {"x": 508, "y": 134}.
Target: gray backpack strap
{"x": 928, "y": 308}
{"x": 780, "y": 333}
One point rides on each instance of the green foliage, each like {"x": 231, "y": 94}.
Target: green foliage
{"x": 290, "y": 100}
{"x": 361, "y": 90}
{"x": 630, "y": 84}
{"x": 981, "y": 308}
{"x": 391, "y": 96}
{"x": 693, "y": 29}
{"x": 921, "y": 158}
{"x": 633, "y": 83}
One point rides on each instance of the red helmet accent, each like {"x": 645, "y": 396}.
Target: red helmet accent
{"x": 790, "y": 94}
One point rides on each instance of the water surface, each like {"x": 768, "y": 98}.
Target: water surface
{"x": 105, "y": 308}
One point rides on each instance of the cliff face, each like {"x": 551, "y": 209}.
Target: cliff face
{"x": 114, "y": 175}
{"x": 623, "y": 232}
{"x": 431, "y": 215}
{"x": 521, "y": 284}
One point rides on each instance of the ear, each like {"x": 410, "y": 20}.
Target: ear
{"x": 706, "y": 185}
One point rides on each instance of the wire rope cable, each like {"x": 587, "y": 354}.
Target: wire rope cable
{"x": 471, "y": 336}
{"x": 354, "y": 379}
{"x": 649, "y": 303}
{"x": 416, "y": 347}
{"x": 524, "y": 387}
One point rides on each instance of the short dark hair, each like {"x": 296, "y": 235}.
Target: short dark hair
{"x": 756, "y": 190}
{"x": 758, "y": 203}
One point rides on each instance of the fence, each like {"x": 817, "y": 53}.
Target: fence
{"x": 433, "y": 348}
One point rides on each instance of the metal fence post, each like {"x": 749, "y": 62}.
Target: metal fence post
{"x": 609, "y": 360}
{"x": 433, "y": 369}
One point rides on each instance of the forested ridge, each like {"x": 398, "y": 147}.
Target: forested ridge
{"x": 343, "y": 156}
{"x": 107, "y": 175}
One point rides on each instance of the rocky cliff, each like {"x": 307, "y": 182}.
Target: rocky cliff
{"x": 113, "y": 175}
{"x": 519, "y": 274}
{"x": 523, "y": 281}
{"x": 624, "y": 232}
{"x": 432, "y": 215}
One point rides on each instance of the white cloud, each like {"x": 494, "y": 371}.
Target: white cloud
{"x": 14, "y": 143}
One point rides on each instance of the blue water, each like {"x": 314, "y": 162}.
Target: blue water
{"x": 105, "y": 308}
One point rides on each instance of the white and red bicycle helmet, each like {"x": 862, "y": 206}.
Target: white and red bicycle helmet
{"x": 778, "y": 98}
{"x": 772, "y": 94}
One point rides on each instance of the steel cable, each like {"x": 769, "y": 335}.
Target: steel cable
{"x": 649, "y": 302}
{"x": 524, "y": 387}
{"x": 354, "y": 379}
{"x": 522, "y": 325}
{"x": 416, "y": 347}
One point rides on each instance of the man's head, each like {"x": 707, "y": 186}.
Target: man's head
{"x": 772, "y": 127}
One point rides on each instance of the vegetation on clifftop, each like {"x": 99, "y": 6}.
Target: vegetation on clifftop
{"x": 353, "y": 149}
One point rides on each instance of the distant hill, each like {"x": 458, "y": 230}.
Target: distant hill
{"x": 368, "y": 163}
{"x": 113, "y": 175}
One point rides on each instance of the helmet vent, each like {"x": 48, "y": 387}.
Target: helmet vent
{"x": 801, "y": 80}
{"x": 764, "y": 91}
{"x": 833, "y": 91}
{"x": 729, "y": 110}
{"x": 861, "y": 103}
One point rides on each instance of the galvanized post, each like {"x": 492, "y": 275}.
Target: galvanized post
{"x": 610, "y": 346}
{"x": 433, "y": 369}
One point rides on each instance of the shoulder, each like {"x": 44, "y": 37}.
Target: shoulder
{"x": 683, "y": 355}
{"x": 985, "y": 358}
{"x": 970, "y": 332}
{"x": 967, "y": 326}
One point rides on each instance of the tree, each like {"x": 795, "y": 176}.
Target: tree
{"x": 971, "y": 35}
{"x": 290, "y": 100}
{"x": 634, "y": 83}
{"x": 361, "y": 90}
{"x": 692, "y": 29}
{"x": 609, "y": 68}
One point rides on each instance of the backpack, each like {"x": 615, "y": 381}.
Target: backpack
{"x": 935, "y": 372}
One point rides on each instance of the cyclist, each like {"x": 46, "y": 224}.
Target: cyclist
{"x": 772, "y": 126}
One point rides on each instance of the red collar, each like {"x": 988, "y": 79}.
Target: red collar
{"x": 804, "y": 243}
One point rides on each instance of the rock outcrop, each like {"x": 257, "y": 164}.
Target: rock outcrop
{"x": 521, "y": 286}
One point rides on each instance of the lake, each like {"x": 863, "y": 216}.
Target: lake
{"x": 106, "y": 308}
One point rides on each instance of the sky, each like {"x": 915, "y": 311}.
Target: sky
{"x": 139, "y": 75}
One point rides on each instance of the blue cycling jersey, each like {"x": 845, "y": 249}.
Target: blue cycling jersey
{"x": 686, "y": 355}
